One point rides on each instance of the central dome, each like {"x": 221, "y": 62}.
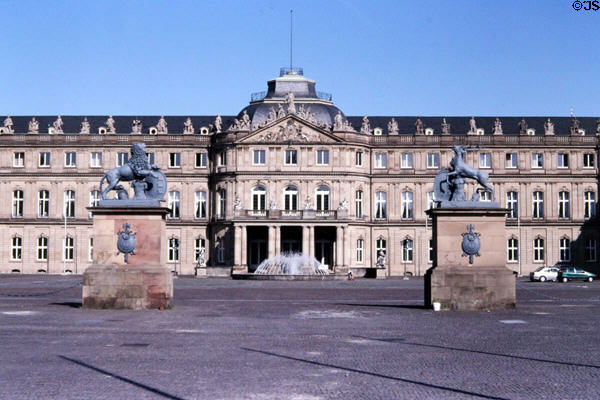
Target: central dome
{"x": 316, "y": 107}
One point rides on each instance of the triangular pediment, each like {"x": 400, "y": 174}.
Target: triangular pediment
{"x": 290, "y": 129}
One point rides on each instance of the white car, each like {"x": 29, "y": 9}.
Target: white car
{"x": 544, "y": 274}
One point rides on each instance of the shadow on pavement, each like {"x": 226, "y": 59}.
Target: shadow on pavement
{"x": 430, "y": 385}
{"x": 72, "y": 304}
{"x": 408, "y": 306}
{"x": 121, "y": 378}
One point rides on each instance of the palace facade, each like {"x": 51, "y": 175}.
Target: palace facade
{"x": 292, "y": 173}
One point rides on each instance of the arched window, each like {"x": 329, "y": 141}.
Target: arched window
{"x": 360, "y": 248}
{"x": 16, "y": 248}
{"x": 512, "y": 203}
{"x": 290, "y": 198}
{"x": 259, "y": 198}
{"x": 221, "y": 251}
{"x": 322, "y": 198}
{"x": 17, "y": 204}
{"x": 589, "y": 205}
{"x": 68, "y": 249}
{"x": 407, "y": 205}
{"x": 199, "y": 244}
{"x": 69, "y": 204}
{"x": 42, "y": 248}
{"x": 380, "y": 205}
{"x": 173, "y": 249}
{"x": 512, "y": 250}
{"x": 407, "y": 250}
{"x": 564, "y": 247}
{"x": 538, "y": 249}
{"x": 221, "y": 203}
{"x": 174, "y": 204}
{"x": 537, "y": 211}
{"x": 43, "y": 203}
{"x": 564, "y": 210}
{"x": 200, "y": 204}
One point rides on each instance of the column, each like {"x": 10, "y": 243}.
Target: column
{"x": 271, "y": 245}
{"x": 237, "y": 253}
{"x": 277, "y": 239}
{"x": 344, "y": 245}
{"x": 244, "y": 248}
{"x": 311, "y": 241}
{"x": 305, "y": 239}
{"x": 338, "y": 247}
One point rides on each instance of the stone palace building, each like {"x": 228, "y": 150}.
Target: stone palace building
{"x": 292, "y": 172}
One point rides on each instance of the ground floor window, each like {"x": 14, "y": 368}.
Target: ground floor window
{"x": 360, "y": 245}
{"x": 512, "y": 250}
{"x": 173, "y": 249}
{"x": 590, "y": 250}
{"x": 199, "y": 247}
{"x": 538, "y": 250}
{"x": 68, "y": 249}
{"x": 407, "y": 250}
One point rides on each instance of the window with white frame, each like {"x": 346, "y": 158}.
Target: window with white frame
{"x": 537, "y": 210}
{"x": 42, "y": 249}
{"x": 380, "y": 246}
{"x": 44, "y": 159}
{"x": 290, "y": 198}
{"x": 360, "y": 250}
{"x": 150, "y": 158}
{"x": 174, "y": 160}
{"x": 322, "y": 198}
{"x": 68, "y": 249}
{"x": 18, "y": 159}
{"x": 200, "y": 206}
{"x": 200, "y": 160}
{"x": 406, "y": 160}
{"x": 430, "y": 201}
{"x": 485, "y": 196}
{"x": 358, "y": 202}
{"x": 290, "y": 157}
{"x": 588, "y": 160}
{"x": 221, "y": 203}
{"x": 222, "y": 158}
{"x": 512, "y": 250}
{"x": 511, "y": 160}
{"x": 430, "y": 253}
{"x": 122, "y": 159}
{"x": 173, "y": 250}
{"x": 16, "y": 248}
{"x": 358, "y": 159}
{"x": 70, "y": 159}
{"x": 199, "y": 244}
{"x": 589, "y": 205}
{"x": 537, "y": 160}
{"x": 433, "y": 160}
{"x": 563, "y": 160}
{"x": 380, "y": 160}
{"x": 221, "y": 250}
{"x": 322, "y": 157}
{"x": 174, "y": 204}
{"x": 69, "y": 204}
{"x": 380, "y": 205}
{"x": 590, "y": 250}
{"x": 564, "y": 210}
{"x": 485, "y": 160}
{"x": 95, "y": 159}
{"x": 407, "y": 250}
{"x": 91, "y": 249}
{"x": 564, "y": 249}
{"x": 43, "y": 204}
{"x": 406, "y": 204}
{"x": 17, "y": 204}
{"x": 259, "y": 198}
{"x": 538, "y": 250}
{"x": 512, "y": 203}
{"x": 94, "y": 200}
{"x": 259, "y": 157}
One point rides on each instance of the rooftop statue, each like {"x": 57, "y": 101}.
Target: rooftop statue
{"x": 85, "y": 126}
{"x": 280, "y": 111}
{"x": 574, "y": 126}
{"x": 497, "y": 127}
{"x": 110, "y": 125}
{"x": 136, "y": 127}
{"x": 419, "y": 128}
{"x": 449, "y": 183}
{"x": 8, "y": 124}
{"x": 161, "y": 126}
{"x": 338, "y": 121}
{"x": 392, "y": 127}
{"x": 445, "y": 127}
{"x": 548, "y": 127}
{"x": 34, "y": 126}
{"x": 598, "y": 127}
{"x": 366, "y": 126}
{"x": 522, "y": 126}
{"x": 218, "y": 123}
{"x": 149, "y": 183}
{"x": 188, "y": 128}
{"x": 472, "y": 125}
{"x": 58, "y": 125}
{"x": 289, "y": 100}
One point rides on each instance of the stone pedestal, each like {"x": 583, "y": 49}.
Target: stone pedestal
{"x": 144, "y": 282}
{"x": 453, "y": 281}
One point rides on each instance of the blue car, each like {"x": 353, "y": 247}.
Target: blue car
{"x": 575, "y": 274}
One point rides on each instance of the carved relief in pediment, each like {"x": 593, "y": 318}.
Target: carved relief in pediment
{"x": 291, "y": 131}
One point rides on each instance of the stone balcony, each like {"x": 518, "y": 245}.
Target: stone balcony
{"x": 290, "y": 214}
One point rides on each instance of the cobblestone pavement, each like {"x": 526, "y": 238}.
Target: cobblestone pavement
{"x": 366, "y": 339}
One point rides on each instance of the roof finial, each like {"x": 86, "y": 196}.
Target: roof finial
{"x": 572, "y": 112}
{"x": 291, "y": 37}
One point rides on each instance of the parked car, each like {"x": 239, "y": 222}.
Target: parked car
{"x": 572, "y": 274}
{"x": 544, "y": 274}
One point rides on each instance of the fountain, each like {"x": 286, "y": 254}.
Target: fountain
{"x": 289, "y": 266}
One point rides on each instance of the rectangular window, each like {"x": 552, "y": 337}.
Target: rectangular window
{"x": 537, "y": 211}
{"x": 94, "y": 200}
{"x": 19, "y": 160}
{"x": 42, "y": 249}
{"x": 564, "y": 250}
{"x": 69, "y": 204}
{"x": 407, "y": 205}
{"x": 322, "y": 157}
{"x": 485, "y": 160}
{"x": 91, "y": 250}
{"x": 221, "y": 202}
{"x": 200, "y": 160}
{"x": 174, "y": 160}
{"x": 407, "y": 251}
{"x": 43, "y": 203}
{"x": 380, "y": 205}
{"x": 538, "y": 250}
{"x": 17, "y": 204}
{"x": 173, "y": 250}
{"x": 563, "y": 160}
{"x": 564, "y": 210}
{"x": 589, "y": 205}
{"x": 222, "y": 159}
{"x": 199, "y": 250}
{"x": 430, "y": 201}
{"x": 360, "y": 245}
{"x": 380, "y": 247}
{"x": 433, "y": 160}
{"x": 291, "y": 157}
{"x": 122, "y": 159}
{"x": 200, "y": 204}
{"x": 70, "y": 159}
{"x": 358, "y": 159}
{"x": 68, "y": 249}
{"x": 512, "y": 250}
{"x": 221, "y": 251}
{"x": 174, "y": 203}
{"x": 512, "y": 203}
{"x": 96, "y": 159}
{"x": 380, "y": 160}
{"x": 406, "y": 160}
{"x": 259, "y": 157}
{"x": 359, "y": 203}
{"x": 430, "y": 256}
{"x": 537, "y": 160}
{"x": 511, "y": 160}
{"x": 590, "y": 250}
{"x": 16, "y": 249}
{"x": 44, "y": 160}
{"x": 150, "y": 158}
{"x": 588, "y": 160}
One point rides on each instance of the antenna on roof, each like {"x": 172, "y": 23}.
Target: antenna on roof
{"x": 291, "y": 36}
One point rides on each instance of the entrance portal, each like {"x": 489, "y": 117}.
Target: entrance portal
{"x": 257, "y": 246}
{"x": 291, "y": 239}
{"x": 324, "y": 245}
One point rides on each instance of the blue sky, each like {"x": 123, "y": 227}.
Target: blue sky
{"x": 419, "y": 57}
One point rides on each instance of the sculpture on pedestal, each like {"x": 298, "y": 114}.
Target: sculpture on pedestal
{"x": 85, "y": 126}
{"x": 188, "y": 128}
{"x": 472, "y": 125}
{"x": 126, "y": 242}
{"x": 110, "y": 125}
{"x": 366, "y": 126}
{"x": 419, "y": 128}
{"x": 8, "y": 124}
{"x": 548, "y": 127}
{"x": 33, "y": 126}
{"x": 161, "y": 126}
{"x": 58, "y": 125}
{"x": 522, "y": 126}
{"x": 445, "y": 127}
{"x": 497, "y": 127}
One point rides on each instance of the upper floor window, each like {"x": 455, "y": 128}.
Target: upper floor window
{"x": 322, "y": 198}
{"x": 221, "y": 203}
{"x": 44, "y": 160}
{"x": 322, "y": 157}
{"x": 94, "y": 199}
{"x": 200, "y": 160}
{"x": 358, "y": 159}
{"x": 150, "y": 158}
{"x": 380, "y": 160}
{"x": 43, "y": 204}
{"x": 380, "y": 205}
{"x": 222, "y": 158}
{"x": 70, "y": 159}
{"x": 16, "y": 249}
{"x": 291, "y": 157}
{"x": 589, "y": 205}
{"x": 588, "y": 160}
{"x": 174, "y": 204}
{"x": 358, "y": 200}
{"x": 122, "y": 159}
{"x": 485, "y": 160}
{"x": 511, "y": 160}
{"x": 512, "y": 203}
{"x": 407, "y": 205}
{"x": 91, "y": 249}
{"x": 259, "y": 157}
{"x": 537, "y": 210}
{"x": 17, "y": 204}
{"x": 433, "y": 160}
{"x": 69, "y": 204}
{"x": 96, "y": 159}
{"x": 174, "y": 160}
{"x": 537, "y": 160}
{"x": 563, "y": 160}
{"x": 18, "y": 159}
{"x": 200, "y": 207}
{"x": 259, "y": 198}
{"x": 563, "y": 205}
{"x": 430, "y": 201}
{"x": 290, "y": 198}
{"x": 512, "y": 250}
{"x": 406, "y": 160}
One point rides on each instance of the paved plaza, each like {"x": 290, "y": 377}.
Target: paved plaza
{"x": 365, "y": 339}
